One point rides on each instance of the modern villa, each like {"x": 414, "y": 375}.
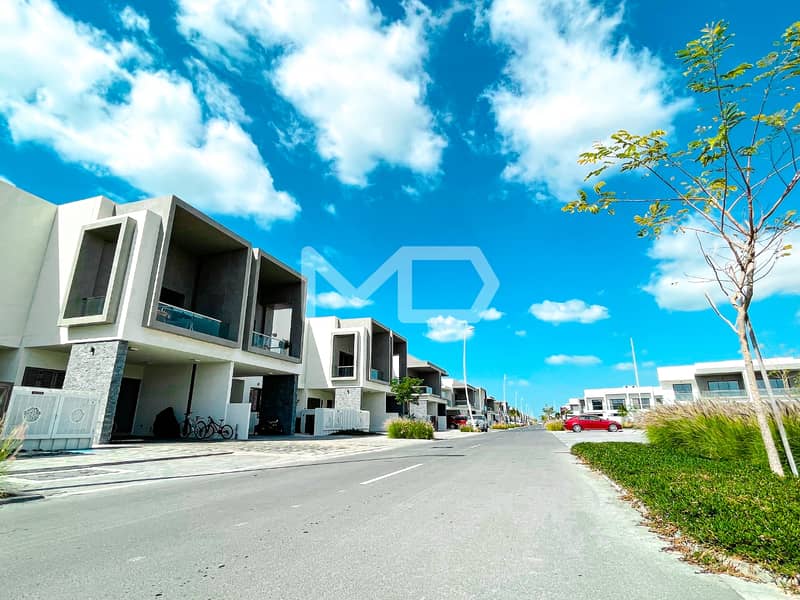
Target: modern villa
{"x": 117, "y": 311}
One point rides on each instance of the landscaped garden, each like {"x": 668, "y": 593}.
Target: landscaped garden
{"x": 705, "y": 472}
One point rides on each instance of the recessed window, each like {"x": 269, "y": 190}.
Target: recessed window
{"x": 344, "y": 355}
{"x": 683, "y": 391}
{"x": 91, "y": 280}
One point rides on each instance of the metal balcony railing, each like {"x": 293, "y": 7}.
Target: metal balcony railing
{"x": 270, "y": 343}
{"x": 84, "y": 307}
{"x": 344, "y": 371}
{"x": 186, "y": 319}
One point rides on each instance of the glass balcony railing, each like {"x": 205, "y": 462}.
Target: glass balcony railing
{"x": 423, "y": 390}
{"x": 376, "y": 374}
{"x": 186, "y": 319}
{"x": 84, "y": 307}
{"x": 269, "y": 343}
{"x": 344, "y": 371}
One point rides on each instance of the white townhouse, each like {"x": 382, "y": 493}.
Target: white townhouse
{"x": 430, "y": 403}
{"x": 348, "y": 368}
{"x": 608, "y": 401}
{"x": 113, "y": 312}
{"x": 725, "y": 379}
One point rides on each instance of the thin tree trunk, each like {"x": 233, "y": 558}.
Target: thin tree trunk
{"x": 776, "y": 411}
{"x": 752, "y": 386}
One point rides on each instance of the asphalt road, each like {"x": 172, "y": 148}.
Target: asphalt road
{"x": 500, "y": 515}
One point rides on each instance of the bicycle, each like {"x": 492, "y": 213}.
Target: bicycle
{"x": 192, "y": 427}
{"x": 210, "y": 428}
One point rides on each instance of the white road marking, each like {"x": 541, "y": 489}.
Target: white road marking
{"x": 242, "y": 524}
{"x": 136, "y": 559}
{"x": 391, "y": 474}
{"x": 473, "y": 446}
{"x": 342, "y": 491}
{"x": 295, "y": 506}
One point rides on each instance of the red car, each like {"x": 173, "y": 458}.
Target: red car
{"x": 456, "y": 421}
{"x": 581, "y": 422}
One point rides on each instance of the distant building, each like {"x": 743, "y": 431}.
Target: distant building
{"x": 725, "y": 379}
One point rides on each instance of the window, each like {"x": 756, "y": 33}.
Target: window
{"x": 43, "y": 378}
{"x": 683, "y": 391}
{"x": 392, "y": 406}
{"x": 617, "y": 403}
{"x": 597, "y": 403}
{"x": 313, "y": 403}
{"x": 644, "y": 401}
{"x": 776, "y": 383}
{"x": 724, "y": 388}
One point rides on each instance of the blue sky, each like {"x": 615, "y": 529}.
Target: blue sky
{"x": 360, "y": 128}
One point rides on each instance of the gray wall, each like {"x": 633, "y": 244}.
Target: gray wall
{"x": 382, "y": 353}
{"x": 279, "y": 400}
{"x": 97, "y": 367}
{"x": 180, "y": 272}
{"x": 220, "y": 288}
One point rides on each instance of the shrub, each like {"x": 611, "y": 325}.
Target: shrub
{"x": 505, "y": 426}
{"x": 718, "y": 430}
{"x": 8, "y": 450}
{"x": 554, "y": 426}
{"x": 467, "y": 428}
{"x": 742, "y": 509}
{"x": 410, "y": 429}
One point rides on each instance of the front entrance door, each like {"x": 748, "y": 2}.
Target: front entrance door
{"x": 126, "y": 405}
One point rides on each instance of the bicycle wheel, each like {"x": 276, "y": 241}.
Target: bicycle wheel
{"x": 226, "y": 431}
{"x": 200, "y": 430}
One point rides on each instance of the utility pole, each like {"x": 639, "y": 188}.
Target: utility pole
{"x": 635, "y": 367}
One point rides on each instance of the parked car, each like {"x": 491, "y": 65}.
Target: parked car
{"x": 456, "y": 421}
{"x": 581, "y": 422}
{"x": 479, "y": 422}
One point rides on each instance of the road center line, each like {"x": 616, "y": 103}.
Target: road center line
{"x": 391, "y": 474}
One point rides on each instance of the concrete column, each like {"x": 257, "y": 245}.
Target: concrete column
{"x": 97, "y": 367}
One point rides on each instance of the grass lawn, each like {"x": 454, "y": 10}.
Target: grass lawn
{"x": 739, "y": 508}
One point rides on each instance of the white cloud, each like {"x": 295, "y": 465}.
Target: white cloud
{"x": 571, "y": 311}
{"x": 448, "y": 329}
{"x": 134, "y": 21}
{"x": 330, "y": 208}
{"x": 580, "y": 360}
{"x": 571, "y": 80}
{"x": 518, "y": 382}
{"x": 682, "y": 276}
{"x": 336, "y": 300}
{"x": 520, "y": 333}
{"x": 219, "y": 98}
{"x": 628, "y": 366}
{"x": 491, "y": 314}
{"x": 97, "y": 102}
{"x": 359, "y": 79}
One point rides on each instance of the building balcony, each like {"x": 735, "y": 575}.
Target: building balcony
{"x": 377, "y": 375}
{"x": 269, "y": 343}
{"x": 187, "y": 319}
{"x": 423, "y": 390}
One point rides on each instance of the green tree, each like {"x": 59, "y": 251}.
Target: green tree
{"x": 730, "y": 186}
{"x": 404, "y": 390}
{"x": 547, "y": 412}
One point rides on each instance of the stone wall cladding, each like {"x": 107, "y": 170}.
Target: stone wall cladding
{"x": 97, "y": 367}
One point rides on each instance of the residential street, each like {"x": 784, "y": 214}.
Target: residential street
{"x": 497, "y": 515}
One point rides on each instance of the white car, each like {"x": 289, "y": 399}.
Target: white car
{"x": 479, "y": 423}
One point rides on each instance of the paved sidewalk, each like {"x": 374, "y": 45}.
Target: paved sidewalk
{"x": 569, "y": 439}
{"x": 117, "y": 464}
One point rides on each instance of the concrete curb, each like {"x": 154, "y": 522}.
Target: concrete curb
{"x": 13, "y": 473}
{"x": 19, "y": 498}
